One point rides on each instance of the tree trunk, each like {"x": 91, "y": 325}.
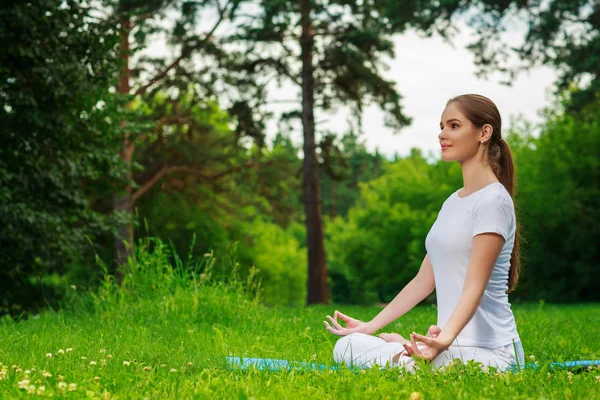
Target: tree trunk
{"x": 122, "y": 201}
{"x": 318, "y": 291}
{"x": 333, "y": 208}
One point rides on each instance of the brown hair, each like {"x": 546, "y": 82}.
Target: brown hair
{"x": 480, "y": 111}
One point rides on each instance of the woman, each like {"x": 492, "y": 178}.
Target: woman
{"x": 472, "y": 260}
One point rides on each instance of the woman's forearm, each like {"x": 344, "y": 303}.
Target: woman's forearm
{"x": 413, "y": 293}
{"x": 486, "y": 249}
{"x": 468, "y": 303}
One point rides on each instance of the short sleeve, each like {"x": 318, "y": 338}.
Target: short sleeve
{"x": 492, "y": 213}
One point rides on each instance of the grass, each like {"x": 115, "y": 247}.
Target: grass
{"x": 165, "y": 334}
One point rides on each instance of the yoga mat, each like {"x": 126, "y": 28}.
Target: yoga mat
{"x": 272, "y": 364}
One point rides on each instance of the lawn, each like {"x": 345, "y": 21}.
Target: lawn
{"x": 168, "y": 338}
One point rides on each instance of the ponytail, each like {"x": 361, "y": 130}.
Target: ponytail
{"x": 502, "y": 163}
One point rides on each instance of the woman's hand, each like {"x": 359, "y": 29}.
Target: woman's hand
{"x": 434, "y": 331}
{"x": 433, "y": 346}
{"x": 352, "y": 325}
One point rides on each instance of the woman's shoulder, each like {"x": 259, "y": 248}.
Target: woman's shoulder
{"x": 495, "y": 196}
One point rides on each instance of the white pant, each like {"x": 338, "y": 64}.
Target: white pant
{"x": 364, "y": 351}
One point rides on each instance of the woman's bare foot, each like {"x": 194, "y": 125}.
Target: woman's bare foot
{"x": 393, "y": 337}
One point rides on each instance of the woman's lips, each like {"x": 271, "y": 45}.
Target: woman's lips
{"x": 445, "y": 147}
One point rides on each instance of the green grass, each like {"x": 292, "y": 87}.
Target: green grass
{"x": 174, "y": 333}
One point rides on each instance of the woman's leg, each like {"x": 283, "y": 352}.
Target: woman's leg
{"x": 502, "y": 357}
{"x": 364, "y": 351}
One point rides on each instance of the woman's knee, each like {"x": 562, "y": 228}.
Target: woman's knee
{"x": 343, "y": 347}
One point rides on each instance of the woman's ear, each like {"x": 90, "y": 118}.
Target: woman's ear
{"x": 486, "y": 133}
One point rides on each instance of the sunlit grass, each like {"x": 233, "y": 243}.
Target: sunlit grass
{"x": 166, "y": 335}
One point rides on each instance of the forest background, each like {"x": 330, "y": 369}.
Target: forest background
{"x": 98, "y": 153}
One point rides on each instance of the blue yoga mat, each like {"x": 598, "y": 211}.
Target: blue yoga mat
{"x": 272, "y": 364}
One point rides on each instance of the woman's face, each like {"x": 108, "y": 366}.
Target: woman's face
{"x": 459, "y": 138}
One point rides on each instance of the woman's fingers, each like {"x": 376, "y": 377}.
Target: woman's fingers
{"x": 410, "y": 350}
{"x": 343, "y": 317}
{"x": 414, "y": 343}
{"x": 332, "y": 330}
{"x": 335, "y": 323}
{"x": 425, "y": 339}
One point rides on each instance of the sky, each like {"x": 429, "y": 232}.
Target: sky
{"x": 427, "y": 72}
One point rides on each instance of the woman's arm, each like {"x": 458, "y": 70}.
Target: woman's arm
{"x": 485, "y": 252}
{"x": 486, "y": 249}
{"x": 416, "y": 290}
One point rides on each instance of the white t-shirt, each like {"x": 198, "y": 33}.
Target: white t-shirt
{"x": 449, "y": 244}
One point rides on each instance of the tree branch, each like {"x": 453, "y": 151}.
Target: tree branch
{"x": 185, "y": 53}
{"x": 166, "y": 170}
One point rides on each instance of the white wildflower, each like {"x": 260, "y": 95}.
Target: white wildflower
{"x": 61, "y": 351}
{"x": 46, "y": 374}
{"x": 190, "y": 364}
{"x": 102, "y": 350}
{"x": 92, "y": 362}
{"x": 72, "y": 387}
{"x": 173, "y": 370}
{"x": 83, "y": 357}
{"x": 109, "y": 356}
{"x": 69, "y": 350}
{"x": 30, "y": 389}
{"x": 40, "y": 390}
{"x": 147, "y": 368}
{"x": 24, "y": 383}
{"x": 48, "y": 354}
{"x": 126, "y": 363}
{"x": 96, "y": 378}
{"x": 62, "y": 385}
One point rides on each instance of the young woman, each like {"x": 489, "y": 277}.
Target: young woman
{"x": 472, "y": 260}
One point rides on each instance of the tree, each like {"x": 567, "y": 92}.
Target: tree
{"x": 346, "y": 163}
{"x": 561, "y": 33}
{"x": 138, "y": 19}
{"x": 332, "y": 51}
{"x": 558, "y": 200}
{"x": 58, "y": 144}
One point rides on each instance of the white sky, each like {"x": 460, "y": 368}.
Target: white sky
{"x": 428, "y": 71}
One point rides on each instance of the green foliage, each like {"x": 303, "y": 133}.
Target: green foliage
{"x": 564, "y": 34}
{"x": 166, "y": 332}
{"x": 380, "y": 246}
{"x": 59, "y": 137}
{"x": 346, "y": 162}
{"x": 281, "y": 263}
{"x": 559, "y": 200}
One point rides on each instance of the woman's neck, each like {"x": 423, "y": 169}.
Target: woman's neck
{"x": 476, "y": 175}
